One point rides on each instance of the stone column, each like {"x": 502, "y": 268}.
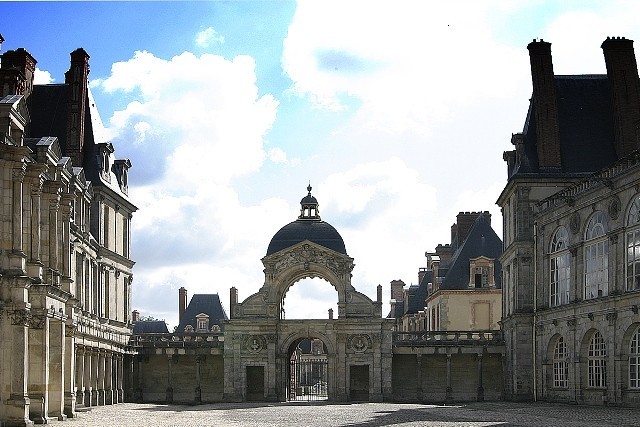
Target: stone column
{"x": 88, "y": 374}
{"x": 57, "y": 368}
{"x": 139, "y": 397}
{"x": 38, "y": 376}
{"x": 419, "y": 391}
{"x": 34, "y": 266}
{"x": 17, "y": 258}
{"x": 480, "y": 386}
{"x": 100, "y": 384}
{"x": 169, "y": 397}
{"x": 54, "y": 207}
{"x": 198, "y": 390}
{"x": 449, "y": 393}
{"x": 108, "y": 378}
{"x": 79, "y": 377}
{"x": 65, "y": 249}
{"x": 94, "y": 376}
{"x": 17, "y": 406}
{"x": 120, "y": 378}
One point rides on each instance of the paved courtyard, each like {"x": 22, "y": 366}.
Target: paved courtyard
{"x": 354, "y": 415}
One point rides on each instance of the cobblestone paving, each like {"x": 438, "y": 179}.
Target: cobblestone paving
{"x": 354, "y": 415}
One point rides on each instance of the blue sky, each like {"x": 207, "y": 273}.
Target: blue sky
{"x": 397, "y": 112}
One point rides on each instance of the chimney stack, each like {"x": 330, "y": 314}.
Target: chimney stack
{"x": 233, "y": 299}
{"x": 77, "y": 79}
{"x": 622, "y": 73}
{"x": 17, "y": 69}
{"x": 182, "y": 303}
{"x": 545, "y": 106}
{"x": 135, "y": 316}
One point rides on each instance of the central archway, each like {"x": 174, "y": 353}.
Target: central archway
{"x": 262, "y": 350}
{"x": 310, "y": 298}
{"x": 308, "y": 370}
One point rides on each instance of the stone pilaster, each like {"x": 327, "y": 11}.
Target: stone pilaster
{"x": 56, "y": 368}
{"x": 38, "y": 376}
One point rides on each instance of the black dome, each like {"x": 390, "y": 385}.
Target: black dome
{"x": 318, "y": 232}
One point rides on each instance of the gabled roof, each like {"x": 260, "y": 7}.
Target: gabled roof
{"x": 208, "y": 304}
{"x": 481, "y": 241}
{"x": 150, "y": 327}
{"x": 585, "y": 122}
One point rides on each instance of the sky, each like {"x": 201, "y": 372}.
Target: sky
{"x": 396, "y": 112}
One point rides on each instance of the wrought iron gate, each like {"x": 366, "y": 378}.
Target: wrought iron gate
{"x": 308, "y": 379}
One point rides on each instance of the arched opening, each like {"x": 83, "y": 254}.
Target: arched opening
{"x": 308, "y": 370}
{"x": 310, "y": 299}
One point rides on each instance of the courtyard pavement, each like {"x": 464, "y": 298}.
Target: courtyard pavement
{"x": 354, "y": 415}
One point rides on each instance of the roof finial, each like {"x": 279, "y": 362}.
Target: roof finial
{"x": 309, "y": 187}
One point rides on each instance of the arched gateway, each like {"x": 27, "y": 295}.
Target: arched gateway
{"x": 260, "y": 345}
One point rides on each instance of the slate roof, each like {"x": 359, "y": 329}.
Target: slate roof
{"x": 203, "y": 303}
{"x": 416, "y": 294}
{"x": 481, "y": 241}
{"x": 48, "y": 109}
{"x": 316, "y": 231}
{"x": 586, "y": 128}
{"x": 150, "y": 327}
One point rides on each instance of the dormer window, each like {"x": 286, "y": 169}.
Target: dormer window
{"x": 104, "y": 153}
{"x": 202, "y": 322}
{"x": 121, "y": 170}
{"x": 481, "y": 273}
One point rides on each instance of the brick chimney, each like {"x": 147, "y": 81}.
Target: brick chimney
{"x": 545, "y": 106}
{"x": 444, "y": 252}
{"x": 17, "y": 69}
{"x": 464, "y": 222}
{"x": 77, "y": 79}
{"x": 182, "y": 303}
{"x": 135, "y": 316}
{"x": 622, "y": 72}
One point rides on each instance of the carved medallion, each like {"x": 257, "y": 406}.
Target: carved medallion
{"x": 359, "y": 343}
{"x": 254, "y": 343}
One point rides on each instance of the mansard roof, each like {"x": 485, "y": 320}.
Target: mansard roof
{"x": 208, "y": 304}
{"x": 416, "y": 294}
{"x": 586, "y": 129}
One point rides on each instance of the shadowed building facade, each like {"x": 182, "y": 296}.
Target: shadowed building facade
{"x": 570, "y": 229}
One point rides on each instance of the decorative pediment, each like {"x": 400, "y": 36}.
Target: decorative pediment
{"x": 305, "y": 254}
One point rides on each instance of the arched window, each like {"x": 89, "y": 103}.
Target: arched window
{"x": 633, "y": 245}
{"x": 560, "y": 268}
{"x": 634, "y": 360}
{"x": 560, "y": 365}
{"x": 597, "y": 366}
{"x": 596, "y": 258}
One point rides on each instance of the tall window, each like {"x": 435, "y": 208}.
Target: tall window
{"x": 597, "y": 366}
{"x": 633, "y": 245}
{"x": 596, "y": 258}
{"x": 560, "y": 365}
{"x": 634, "y": 360}
{"x": 560, "y": 268}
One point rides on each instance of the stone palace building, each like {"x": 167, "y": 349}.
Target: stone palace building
{"x": 569, "y": 273}
{"x": 65, "y": 271}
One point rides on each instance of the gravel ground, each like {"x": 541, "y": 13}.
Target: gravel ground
{"x": 354, "y": 415}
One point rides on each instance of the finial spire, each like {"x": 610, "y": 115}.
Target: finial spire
{"x": 309, "y": 187}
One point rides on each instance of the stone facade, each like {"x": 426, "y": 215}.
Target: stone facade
{"x": 570, "y": 313}
{"x": 65, "y": 272}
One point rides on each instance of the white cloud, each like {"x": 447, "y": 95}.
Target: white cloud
{"x": 42, "y": 77}
{"x": 207, "y": 37}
